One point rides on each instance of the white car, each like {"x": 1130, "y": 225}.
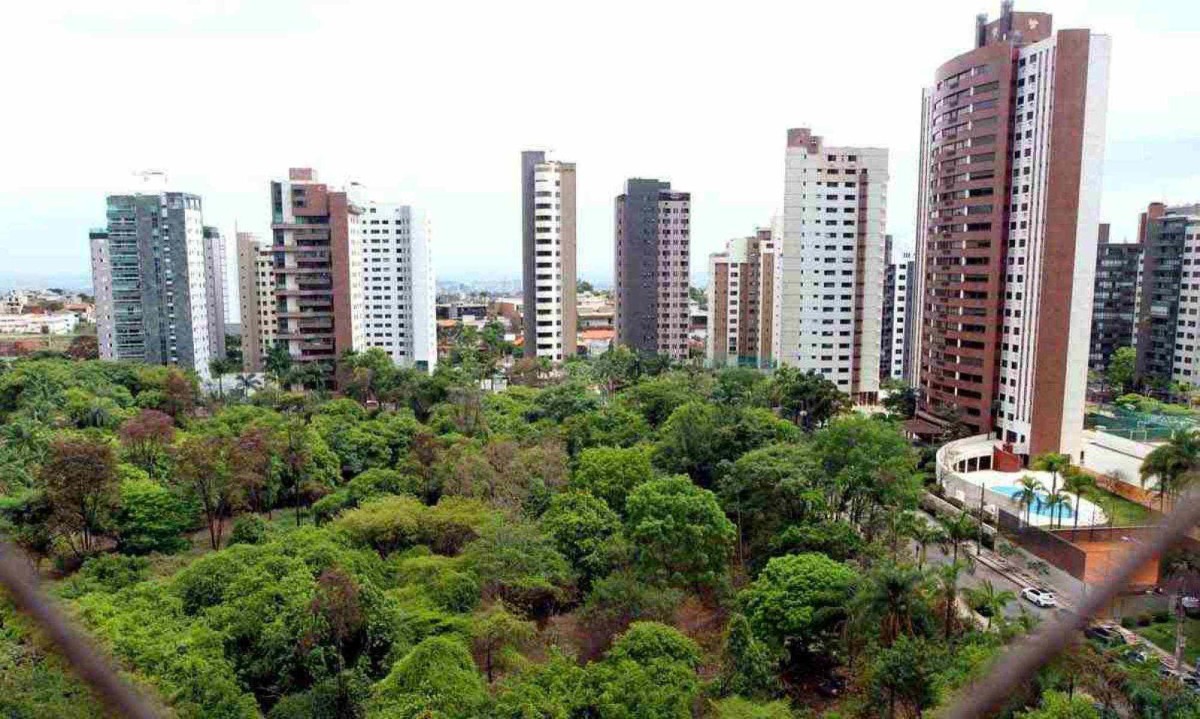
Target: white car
{"x": 1039, "y": 597}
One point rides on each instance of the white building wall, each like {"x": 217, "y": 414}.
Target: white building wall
{"x": 398, "y": 284}
{"x": 197, "y": 295}
{"x": 102, "y": 288}
{"x": 548, "y": 237}
{"x": 899, "y": 300}
{"x": 819, "y": 262}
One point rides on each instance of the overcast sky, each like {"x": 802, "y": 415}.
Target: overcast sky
{"x": 432, "y": 102}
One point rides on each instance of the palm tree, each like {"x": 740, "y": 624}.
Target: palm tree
{"x": 893, "y": 595}
{"x": 1053, "y": 463}
{"x": 1028, "y": 495}
{"x": 220, "y": 367}
{"x": 246, "y": 382}
{"x": 1078, "y": 483}
{"x": 1172, "y": 462}
{"x": 925, "y": 534}
{"x": 1055, "y": 501}
{"x": 987, "y": 600}
{"x": 946, "y": 588}
{"x": 958, "y": 530}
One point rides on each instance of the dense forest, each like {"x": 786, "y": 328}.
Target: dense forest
{"x": 619, "y": 540}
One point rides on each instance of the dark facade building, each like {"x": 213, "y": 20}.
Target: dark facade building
{"x": 651, "y": 268}
{"x": 1166, "y": 322}
{"x": 1115, "y": 299}
{"x": 1008, "y": 211}
{"x": 148, "y": 273}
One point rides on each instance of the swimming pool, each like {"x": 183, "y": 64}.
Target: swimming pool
{"x": 1038, "y": 508}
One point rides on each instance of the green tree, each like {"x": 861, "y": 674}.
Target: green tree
{"x": 906, "y": 675}
{"x": 1056, "y": 705}
{"x": 610, "y": 473}
{"x": 798, "y": 601}
{"x": 892, "y": 596}
{"x": 767, "y": 489}
{"x": 436, "y": 679}
{"x": 1079, "y": 484}
{"x": 1053, "y": 463}
{"x": 496, "y": 631}
{"x": 987, "y": 600}
{"x": 750, "y": 665}
{"x": 515, "y": 562}
{"x": 146, "y": 438}
{"x": 278, "y": 362}
{"x": 901, "y": 400}
{"x": 583, "y": 528}
{"x": 650, "y": 673}
{"x": 1122, "y": 368}
{"x": 806, "y": 398}
{"x": 679, "y": 532}
{"x": 960, "y": 530}
{"x": 739, "y": 708}
{"x": 150, "y": 518}
{"x": 946, "y": 590}
{"x": 688, "y": 442}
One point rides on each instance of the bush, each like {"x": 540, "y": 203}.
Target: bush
{"x": 1128, "y": 622}
{"x": 113, "y": 572}
{"x": 330, "y": 506}
{"x": 386, "y": 524}
{"x": 151, "y": 518}
{"x": 1143, "y": 620}
{"x": 248, "y": 529}
{"x": 1162, "y": 616}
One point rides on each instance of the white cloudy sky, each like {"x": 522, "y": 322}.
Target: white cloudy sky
{"x": 433, "y": 101}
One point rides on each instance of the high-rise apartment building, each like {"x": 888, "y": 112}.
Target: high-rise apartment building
{"x": 214, "y": 285}
{"x": 651, "y": 268}
{"x": 897, "y": 316}
{"x": 548, "y": 256}
{"x": 317, "y": 246}
{"x": 832, "y": 262}
{"x": 740, "y": 300}
{"x": 1114, "y": 299}
{"x": 1169, "y": 305}
{"x": 149, "y": 276}
{"x": 256, "y": 294}
{"x": 399, "y": 285}
{"x": 1012, "y": 141}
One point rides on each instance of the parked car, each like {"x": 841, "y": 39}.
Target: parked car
{"x": 1039, "y": 597}
{"x": 1191, "y": 606}
{"x": 1104, "y": 634}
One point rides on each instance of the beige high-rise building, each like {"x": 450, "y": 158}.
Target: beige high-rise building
{"x": 741, "y": 297}
{"x": 256, "y": 292}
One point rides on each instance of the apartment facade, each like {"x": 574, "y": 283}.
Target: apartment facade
{"x": 399, "y": 284}
{"x": 1169, "y": 302}
{"x": 831, "y": 262}
{"x": 548, "y": 256}
{"x": 214, "y": 285}
{"x": 317, "y": 254}
{"x": 651, "y": 267}
{"x": 256, "y": 296}
{"x": 1115, "y": 298}
{"x": 897, "y": 317}
{"x": 740, "y": 302}
{"x": 149, "y": 276}
{"x": 1012, "y": 145}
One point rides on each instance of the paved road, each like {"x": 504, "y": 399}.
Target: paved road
{"x": 934, "y": 555}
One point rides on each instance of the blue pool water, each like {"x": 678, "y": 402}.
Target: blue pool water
{"x": 1039, "y": 508}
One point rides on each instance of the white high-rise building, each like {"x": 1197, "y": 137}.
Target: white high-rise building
{"x": 548, "y": 256}
{"x": 214, "y": 283}
{"x": 398, "y": 286}
{"x": 831, "y": 267}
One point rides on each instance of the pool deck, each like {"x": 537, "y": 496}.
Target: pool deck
{"x": 1089, "y": 513}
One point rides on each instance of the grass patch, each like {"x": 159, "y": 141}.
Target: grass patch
{"x": 1162, "y": 634}
{"x": 1124, "y": 512}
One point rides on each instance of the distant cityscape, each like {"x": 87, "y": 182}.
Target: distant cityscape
{"x": 1014, "y": 290}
